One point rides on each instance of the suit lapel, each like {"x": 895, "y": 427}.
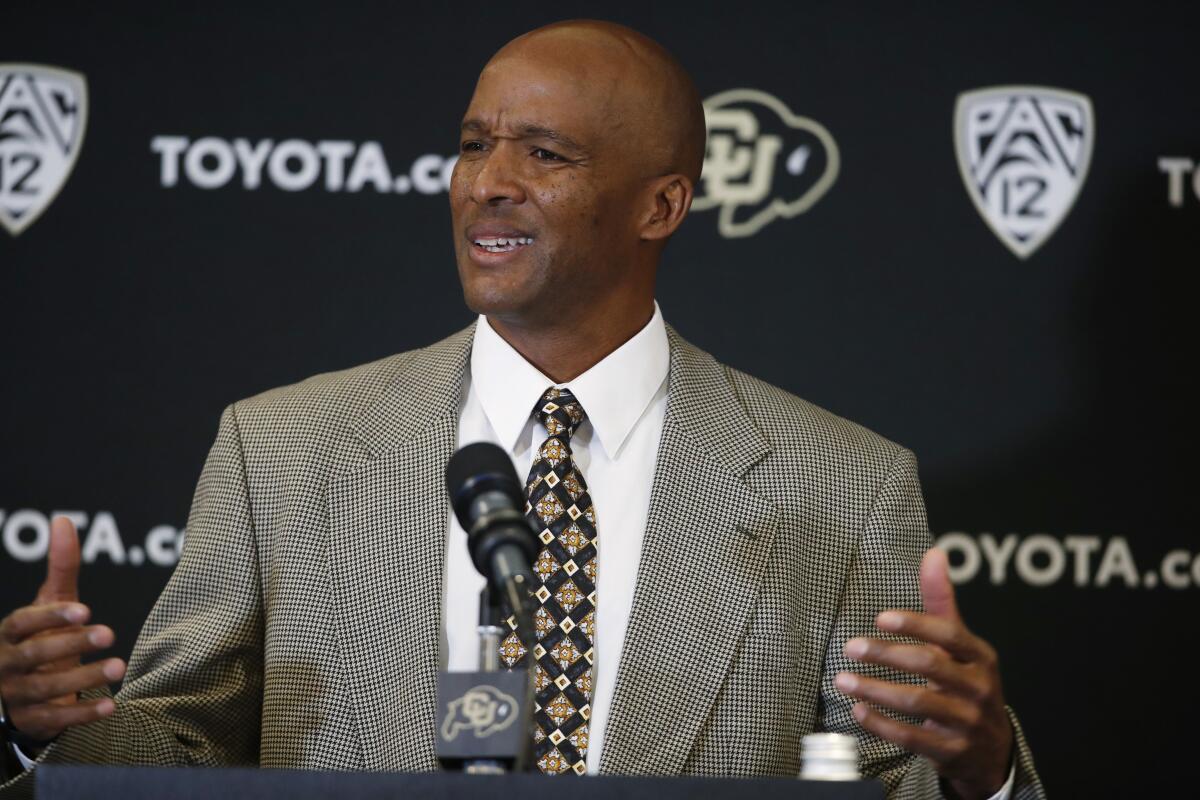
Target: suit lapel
{"x": 708, "y": 535}
{"x": 388, "y": 515}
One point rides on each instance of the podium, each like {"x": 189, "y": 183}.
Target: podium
{"x": 143, "y": 783}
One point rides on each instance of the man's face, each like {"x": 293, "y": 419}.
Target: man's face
{"x": 543, "y": 194}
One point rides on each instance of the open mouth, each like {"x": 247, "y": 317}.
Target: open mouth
{"x": 502, "y": 244}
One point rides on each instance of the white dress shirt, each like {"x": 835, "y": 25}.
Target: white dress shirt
{"x": 625, "y": 398}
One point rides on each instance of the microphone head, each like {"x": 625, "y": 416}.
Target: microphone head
{"x": 477, "y": 468}
{"x": 487, "y": 500}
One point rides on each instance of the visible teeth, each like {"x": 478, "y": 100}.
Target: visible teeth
{"x": 499, "y": 244}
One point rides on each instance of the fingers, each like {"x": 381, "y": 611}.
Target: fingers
{"x": 62, "y": 563}
{"x": 932, "y": 663}
{"x": 36, "y": 688}
{"x": 40, "y": 646}
{"x": 35, "y": 652}
{"x": 936, "y": 590}
{"x": 973, "y": 755}
{"x": 916, "y": 701}
{"x": 46, "y": 721}
{"x": 965, "y": 729}
{"x": 947, "y": 633}
{"x": 925, "y": 741}
{"x": 24, "y": 622}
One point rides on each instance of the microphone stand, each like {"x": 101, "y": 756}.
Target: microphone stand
{"x": 490, "y": 630}
{"x": 491, "y": 633}
{"x": 485, "y": 717}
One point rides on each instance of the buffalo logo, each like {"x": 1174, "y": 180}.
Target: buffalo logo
{"x": 482, "y": 709}
{"x": 43, "y": 114}
{"x": 762, "y": 163}
{"x": 1023, "y": 152}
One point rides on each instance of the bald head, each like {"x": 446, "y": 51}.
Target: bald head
{"x": 578, "y": 158}
{"x": 648, "y": 99}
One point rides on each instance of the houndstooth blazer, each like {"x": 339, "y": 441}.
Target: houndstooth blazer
{"x": 301, "y": 627}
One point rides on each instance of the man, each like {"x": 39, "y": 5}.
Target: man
{"x": 717, "y": 553}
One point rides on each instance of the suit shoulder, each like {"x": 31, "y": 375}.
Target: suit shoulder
{"x": 789, "y": 421}
{"x": 331, "y": 398}
{"x": 327, "y": 392}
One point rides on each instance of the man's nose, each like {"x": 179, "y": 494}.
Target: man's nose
{"x": 499, "y": 178}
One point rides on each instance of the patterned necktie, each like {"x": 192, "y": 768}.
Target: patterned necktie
{"x": 560, "y": 507}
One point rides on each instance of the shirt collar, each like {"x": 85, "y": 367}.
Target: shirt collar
{"x": 614, "y": 392}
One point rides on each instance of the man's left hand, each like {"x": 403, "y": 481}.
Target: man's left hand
{"x": 966, "y": 732}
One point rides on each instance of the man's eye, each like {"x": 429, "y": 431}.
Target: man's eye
{"x": 472, "y": 146}
{"x": 543, "y": 154}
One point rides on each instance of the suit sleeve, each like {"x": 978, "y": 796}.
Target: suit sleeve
{"x": 193, "y": 692}
{"x": 884, "y": 574}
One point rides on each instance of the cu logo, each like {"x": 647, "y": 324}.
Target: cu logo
{"x": 762, "y": 162}
{"x": 481, "y": 709}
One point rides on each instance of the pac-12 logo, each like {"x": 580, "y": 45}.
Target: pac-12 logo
{"x": 1024, "y": 153}
{"x": 762, "y": 162}
{"x": 43, "y": 115}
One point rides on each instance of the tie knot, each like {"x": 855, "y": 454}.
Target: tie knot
{"x": 559, "y": 412}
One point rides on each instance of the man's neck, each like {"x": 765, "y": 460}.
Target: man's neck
{"x": 564, "y": 352}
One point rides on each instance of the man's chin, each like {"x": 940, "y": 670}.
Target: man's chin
{"x": 494, "y": 291}
{"x": 495, "y": 302}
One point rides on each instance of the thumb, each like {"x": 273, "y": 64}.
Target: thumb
{"x": 936, "y": 589}
{"x": 62, "y": 564}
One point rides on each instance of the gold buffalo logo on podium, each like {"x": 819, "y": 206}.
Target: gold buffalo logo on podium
{"x": 762, "y": 162}
{"x": 43, "y": 115}
{"x": 482, "y": 709}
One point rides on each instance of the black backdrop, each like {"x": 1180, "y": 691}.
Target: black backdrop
{"x": 1047, "y": 397}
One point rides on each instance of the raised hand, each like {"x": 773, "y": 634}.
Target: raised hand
{"x": 40, "y": 648}
{"x": 966, "y": 732}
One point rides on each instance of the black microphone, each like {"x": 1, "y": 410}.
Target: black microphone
{"x": 488, "y": 501}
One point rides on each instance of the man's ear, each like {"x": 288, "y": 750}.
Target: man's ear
{"x": 669, "y": 198}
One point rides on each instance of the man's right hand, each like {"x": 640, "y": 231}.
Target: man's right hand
{"x": 40, "y": 645}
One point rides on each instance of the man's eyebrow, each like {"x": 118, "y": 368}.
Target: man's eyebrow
{"x": 527, "y": 130}
{"x": 531, "y": 131}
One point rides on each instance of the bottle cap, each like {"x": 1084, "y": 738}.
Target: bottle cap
{"x": 829, "y": 757}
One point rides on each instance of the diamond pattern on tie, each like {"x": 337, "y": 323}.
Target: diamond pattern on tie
{"x": 560, "y": 507}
